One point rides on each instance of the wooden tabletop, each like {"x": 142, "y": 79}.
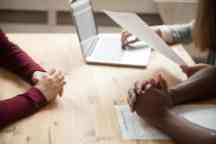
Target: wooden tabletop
{"x": 85, "y": 114}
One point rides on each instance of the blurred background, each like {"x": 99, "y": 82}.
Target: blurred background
{"x": 53, "y": 16}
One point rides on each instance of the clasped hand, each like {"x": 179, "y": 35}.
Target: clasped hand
{"x": 150, "y": 99}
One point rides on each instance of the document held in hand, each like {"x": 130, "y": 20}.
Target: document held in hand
{"x": 136, "y": 26}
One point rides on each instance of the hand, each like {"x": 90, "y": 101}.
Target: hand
{"x": 38, "y": 75}
{"x": 124, "y": 40}
{"x": 140, "y": 86}
{"x": 128, "y": 43}
{"x": 51, "y": 84}
{"x": 153, "y": 105}
{"x": 190, "y": 70}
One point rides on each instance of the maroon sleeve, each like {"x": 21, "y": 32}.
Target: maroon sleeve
{"x": 16, "y": 60}
{"x": 20, "y": 106}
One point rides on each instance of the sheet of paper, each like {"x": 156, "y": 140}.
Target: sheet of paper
{"x": 134, "y": 128}
{"x": 133, "y": 24}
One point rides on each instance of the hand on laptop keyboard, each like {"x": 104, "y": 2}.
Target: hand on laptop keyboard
{"x": 127, "y": 40}
{"x": 131, "y": 42}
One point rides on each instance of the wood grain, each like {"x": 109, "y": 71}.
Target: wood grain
{"x": 85, "y": 114}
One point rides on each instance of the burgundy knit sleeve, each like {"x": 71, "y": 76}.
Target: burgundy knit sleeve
{"x": 20, "y": 106}
{"x": 16, "y": 60}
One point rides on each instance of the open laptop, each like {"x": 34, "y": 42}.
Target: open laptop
{"x": 103, "y": 48}
{"x": 136, "y": 26}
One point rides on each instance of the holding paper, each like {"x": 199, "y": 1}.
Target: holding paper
{"x": 133, "y": 24}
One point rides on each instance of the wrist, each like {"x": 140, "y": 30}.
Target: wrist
{"x": 162, "y": 121}
{"x": 172, "y": 94}
{"x": 36, "y": 97}
{"x": 166, "y": 34}
{"x": 37, "y": 75}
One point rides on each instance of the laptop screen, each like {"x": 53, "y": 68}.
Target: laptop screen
{"x": 84, "y": 19}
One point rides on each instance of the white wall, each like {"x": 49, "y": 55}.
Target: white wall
{"x": 175, "y": 12}
{"x": 146, "y": 6}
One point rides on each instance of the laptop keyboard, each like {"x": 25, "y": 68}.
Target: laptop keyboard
{"x": 108, "y": 48}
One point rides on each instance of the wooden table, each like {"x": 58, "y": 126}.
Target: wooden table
{"x": 85, "y": 114}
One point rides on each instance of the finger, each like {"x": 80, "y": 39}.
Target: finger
{"x": 60, "y": 77}
{"x": 52, "y": 71}
{"x": 157, "y": 80}
{"x": 62, "y": 83}
{"x": 131, "y": 99}
{"x": 139, "y": 86}
{"x": 158, "y": 31}
{"x": 143, "y": 86}
{"x": 131, "y": 41}
{"x": 57, "y": 76}
{"x": 125, "y": 35}
{"x": 124, "y": 39}
{"x": 153, "y": 82}
{"x": 163, "y": 84}
{"x": 184, "y": 68}
{"x": 61, "y": 92}
{"x": 124, "y": 43}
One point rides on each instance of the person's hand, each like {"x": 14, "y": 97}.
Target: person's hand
{"x": 190, "y": 70}
{"x": 38, "y": 75}
{"x": 140, "y": 88}
{"x": 51, "y": 84}
{"x": 127, "y": 39}
{"x": 153, "y": 105}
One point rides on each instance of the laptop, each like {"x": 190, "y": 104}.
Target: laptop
{"x": 103, "y": 48}
{"x": 136, "y": 26}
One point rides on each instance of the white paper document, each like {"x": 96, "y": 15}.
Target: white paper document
{"x": 133, "y": 24}
{"x": 134, "y": 128}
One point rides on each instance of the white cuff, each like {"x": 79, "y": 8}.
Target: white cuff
{"x": 166, "y": 34}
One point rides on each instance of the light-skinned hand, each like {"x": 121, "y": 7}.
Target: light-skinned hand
{"x": 51, "y": 84}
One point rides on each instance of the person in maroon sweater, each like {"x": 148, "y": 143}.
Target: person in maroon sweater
{"x": 45, "y": 85}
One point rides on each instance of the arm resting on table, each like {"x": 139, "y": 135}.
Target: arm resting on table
{"x": 20, "y": 106}
{"x": 16, "y": 60}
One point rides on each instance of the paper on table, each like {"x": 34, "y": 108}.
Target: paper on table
{"x": 133, "y": 24}
{"x": 134, "y": 128}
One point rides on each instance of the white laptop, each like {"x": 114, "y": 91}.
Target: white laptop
{"x": 103, "y": 48}
{"x": 136, "y": 26}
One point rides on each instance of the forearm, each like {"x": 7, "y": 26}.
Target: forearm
{"x": 20, "y": 106}
{"x": 201, "y": 66}
{"x": 198, "y": 87}
{"x": 174, "y": 34}
{"x": 183, "y": 131}
{"x": 16, "y": 60}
